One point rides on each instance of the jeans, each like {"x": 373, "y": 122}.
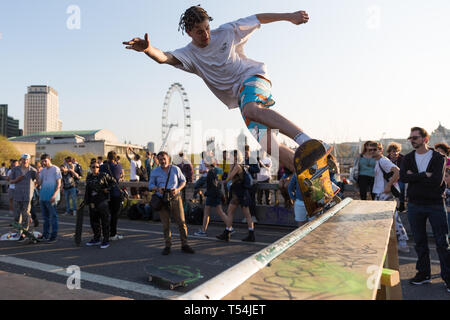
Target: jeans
{"x": 71, "y": 194}
{"x": 437, "y": 215}
{"x": 50, "y": 219}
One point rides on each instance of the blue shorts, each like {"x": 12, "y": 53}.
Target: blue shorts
{"x": 300, "y": 211}
{"x": 256, "y": 89}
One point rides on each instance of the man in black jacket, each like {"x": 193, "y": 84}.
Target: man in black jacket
{"x": 423, "y": 170}
{"x": 98, "y": 186}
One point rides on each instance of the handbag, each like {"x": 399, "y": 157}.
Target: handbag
{"x": 157, "y": 202}
{"x": 387, "y": 176}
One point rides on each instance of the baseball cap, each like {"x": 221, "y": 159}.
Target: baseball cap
{"x": 25, "y": 156}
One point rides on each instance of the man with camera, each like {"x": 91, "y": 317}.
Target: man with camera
{"x": 98, "y": 186}
{"x": 167, "y": 181}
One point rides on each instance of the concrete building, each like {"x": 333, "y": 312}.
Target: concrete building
{"x": 98, "y": 142}
{"x": 9, "y": 127}
{"x": 41, "y": 110}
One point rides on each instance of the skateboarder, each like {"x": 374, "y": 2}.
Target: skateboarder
{"x": 217, "y": 57}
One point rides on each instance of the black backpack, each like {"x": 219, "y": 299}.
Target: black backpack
{"x": 137, "y": 212}
{"x": 194, "y": 214}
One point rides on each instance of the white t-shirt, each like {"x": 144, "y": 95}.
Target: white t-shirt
{"x": 222, "y": 64}
{"x": 133, "y": 165}
{"x": 264, "y": 173}
{"x": 48, "y": 178}
{"x": 380, "y": 182}
{"x": 422, "y": 160}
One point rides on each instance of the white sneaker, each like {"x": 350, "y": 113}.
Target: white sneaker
{"x": 74, "y": 213}
{"x": 254, "y": 219}
{"x": 116, "y": 237}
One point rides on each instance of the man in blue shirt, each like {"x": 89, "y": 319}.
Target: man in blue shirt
{"x": 176, "y": 181}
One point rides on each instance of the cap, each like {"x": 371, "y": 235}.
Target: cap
{"x": 25, "y": 156}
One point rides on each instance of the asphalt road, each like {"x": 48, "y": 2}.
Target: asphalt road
{"x": 40, "y": 271}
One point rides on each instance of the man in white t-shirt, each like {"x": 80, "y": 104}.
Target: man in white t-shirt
{"x": 382, "y": 189}
{"x": 135, "y": 163}
{"x": 265, "y": 164}
{"x": 217, "y": 56}
{"x": 423, "y": 170}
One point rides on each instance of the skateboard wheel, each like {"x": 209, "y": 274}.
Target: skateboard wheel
{"x": 172, "y": 287}
{"x": 150, "y": 278}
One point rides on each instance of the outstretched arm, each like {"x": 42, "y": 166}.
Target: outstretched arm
{"x": 143, "y": 45}
{"x": 296, "y": 18}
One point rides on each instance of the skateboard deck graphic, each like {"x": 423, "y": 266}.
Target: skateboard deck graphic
{"x": 310, "y": 162}
{"x": 29, "y": 234}
{"x": 171, "y": 279}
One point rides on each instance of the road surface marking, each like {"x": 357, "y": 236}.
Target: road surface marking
{"x": 90, "y": 277}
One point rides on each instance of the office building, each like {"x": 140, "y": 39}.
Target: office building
{"x": 9, "y": 127}
{"x": 41, "y": 110}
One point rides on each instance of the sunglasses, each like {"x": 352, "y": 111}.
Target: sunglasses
{"x": 414, "y": 138}
{"x": 93, "y": 167}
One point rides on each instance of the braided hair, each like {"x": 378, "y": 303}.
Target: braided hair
{"x": 191, "y": 16}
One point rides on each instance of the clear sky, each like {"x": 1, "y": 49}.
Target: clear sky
{"x": 360, "y": 69}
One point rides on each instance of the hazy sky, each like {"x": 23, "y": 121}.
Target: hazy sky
{"x": 360, "y": 69}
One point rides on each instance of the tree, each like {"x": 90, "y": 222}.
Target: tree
{"x": 7, "y": 151}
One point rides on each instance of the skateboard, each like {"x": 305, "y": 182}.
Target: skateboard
{"x": 79, "y": 224}
{"x": 310, "y": 162}
{"x": 173, "y": 280}
{"x": 29, "y": 234}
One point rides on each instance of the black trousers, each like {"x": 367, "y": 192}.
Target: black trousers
{"x": 366, "y": 185}
{"x": 114, "y": 210}
{"x": 99, "y": 216}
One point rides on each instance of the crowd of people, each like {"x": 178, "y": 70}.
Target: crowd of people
{"x": 417, "y": 181}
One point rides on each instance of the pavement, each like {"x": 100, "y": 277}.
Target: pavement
{"x": 118, "y": 271}
{"x": 50, "y": 271}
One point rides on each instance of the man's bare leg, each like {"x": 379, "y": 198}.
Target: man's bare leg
{"x": 256, "y": 112}
{"x": 268, "y": 141}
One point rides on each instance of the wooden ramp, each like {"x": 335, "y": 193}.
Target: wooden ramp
{"x": 343, "y": 258}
